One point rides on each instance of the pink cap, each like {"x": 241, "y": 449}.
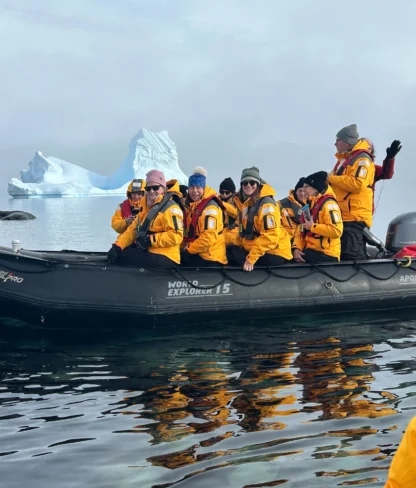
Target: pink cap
{"x": 155, "y": 176}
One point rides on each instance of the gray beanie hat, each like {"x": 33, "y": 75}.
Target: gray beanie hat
{"x": 252, "y": 173}
{"x": 349, "y": 134}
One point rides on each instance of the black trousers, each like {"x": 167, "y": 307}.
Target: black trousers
{"x": 195, "y": 261}
{"x": 352, "y": 241}
{"x": 132, "y": 256}
{"x": 238, "y": 258}
{"x": 312, "y": 256}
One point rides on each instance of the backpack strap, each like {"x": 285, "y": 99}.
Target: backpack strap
{"x": 296, "y": 209}
{"x": 351, "y": 160}
{"x": 143, "y": 227}
{"x": 315, "y": 211}
{"x": 191, "y": 231}
{"x": 249, "y": 233}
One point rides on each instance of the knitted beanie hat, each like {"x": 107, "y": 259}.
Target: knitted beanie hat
{"x": 155, "y": 176}
{"x": 252, "y": 173}
{"x": 198, "y": 177}
{"x": 318, "y": 180}
{"x": 228, "y": 185}
{"x": 349, "y": 134}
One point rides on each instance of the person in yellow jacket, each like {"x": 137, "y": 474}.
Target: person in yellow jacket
{"x": 226, "y": 193}
{"x": 261, "y": 239}
{"x": 402, "y": 472}
{"x": 157, "y": 229}
{"x": 352, "y": 180}
{"x": 204, "y": 243}
{"x": 318, "y": 240}
{"x": 127, "y": 211}
{"x": 291, "y": 208}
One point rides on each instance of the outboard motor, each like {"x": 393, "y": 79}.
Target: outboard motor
{"x": 401, "y": 232}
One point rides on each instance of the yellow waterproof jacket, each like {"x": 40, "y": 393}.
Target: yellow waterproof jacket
{"x": 353, "y": 188}
{"x": 326, "y": 230}
{"x": 166, "y": 229}
{"x": 230, "y": 223}
{"x": 209, "y": 240}
{"x": 118, "y": 222}
{"x": 291, "y": 210}
{"x": 270, "y": 237}
{"x": 402, "y": 472}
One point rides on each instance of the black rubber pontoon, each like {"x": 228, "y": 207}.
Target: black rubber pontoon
{"x": 77, "y": 290}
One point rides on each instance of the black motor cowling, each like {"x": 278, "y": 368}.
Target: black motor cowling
{"x": 401, "y": 232}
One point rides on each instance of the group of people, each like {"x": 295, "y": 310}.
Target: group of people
{"x": 323, "y": 219}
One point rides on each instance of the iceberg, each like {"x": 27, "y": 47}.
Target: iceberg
{"x": 53, "y": 177}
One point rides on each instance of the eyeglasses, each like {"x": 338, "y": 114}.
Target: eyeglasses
{"x": 225, "y": 192}
{"x": 154, "y": 187}
{"x": 248, "y": 182}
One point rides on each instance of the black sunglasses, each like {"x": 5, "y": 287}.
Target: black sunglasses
{"x": 248, "y": 182}
{"x": 154, "y": 187}
{"x": 225, "y": 192}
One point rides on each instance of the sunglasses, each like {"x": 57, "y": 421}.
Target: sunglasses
{"x": 248, "y": 182}
{"x": 225, "y": 192}
{"x": 154, "y": 187}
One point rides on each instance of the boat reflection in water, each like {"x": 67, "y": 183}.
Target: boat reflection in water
{"x": 207, "y": 395}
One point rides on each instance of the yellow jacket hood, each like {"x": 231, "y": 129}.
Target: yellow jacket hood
{"x": 174, "y": 188}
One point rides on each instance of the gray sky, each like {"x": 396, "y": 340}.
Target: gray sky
{"x": 234, "y": 82}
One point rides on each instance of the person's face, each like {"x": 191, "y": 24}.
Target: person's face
{"x": 300, "y": 194}
{"x": 153, "y": 190}
{"x": 225, "y": 194}
{"x": 342, "y": 146}
{"x": 196, "y": 193}
{"x": 136, "y": 196}
{"x": 249, "y": 187}
{"x": 309, "y": 191}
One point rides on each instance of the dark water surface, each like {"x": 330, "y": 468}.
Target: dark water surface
{"x": 291, "y": 403}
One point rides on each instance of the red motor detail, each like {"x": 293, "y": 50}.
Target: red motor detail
{"x": 406, "y": 251}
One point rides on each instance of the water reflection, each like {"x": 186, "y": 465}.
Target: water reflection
{"x": 276, "y": 404}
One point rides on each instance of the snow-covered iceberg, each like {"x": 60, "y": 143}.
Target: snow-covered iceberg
{"x": 49, "y": 176}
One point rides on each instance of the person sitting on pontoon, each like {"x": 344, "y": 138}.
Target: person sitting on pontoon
{"x": 204, "y": 243}
{"x": 157, "y": 229}
{"x": 318, "y": 239}
{"x": 127, "y": 211}
{"x": 262, "y": 240}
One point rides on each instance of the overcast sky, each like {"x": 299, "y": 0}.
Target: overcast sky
{"x": 235, "y": 83}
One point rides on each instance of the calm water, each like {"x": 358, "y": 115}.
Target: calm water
{"x": 296, "y": 404}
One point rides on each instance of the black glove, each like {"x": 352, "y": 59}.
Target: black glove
{"x": 393, "y": 150}
{"x": 143, "y": 243}
{"x": 114, "y": 253}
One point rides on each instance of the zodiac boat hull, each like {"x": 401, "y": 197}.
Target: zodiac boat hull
{"x": 69, "y": 289}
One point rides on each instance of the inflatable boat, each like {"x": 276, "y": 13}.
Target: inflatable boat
{"x": 71, "y": 289}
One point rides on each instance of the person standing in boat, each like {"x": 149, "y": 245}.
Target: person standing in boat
{"x": 226, "y": 194}
{"x": 262, "y": 240}
{"x": 127, "y": 211}
{"x": 291, "y": 208}
{"x": 204, "y": 242}
{"x": 352, "y": 180}
{"x": 157, "y": 229}
{"x": 318, "y": 240}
